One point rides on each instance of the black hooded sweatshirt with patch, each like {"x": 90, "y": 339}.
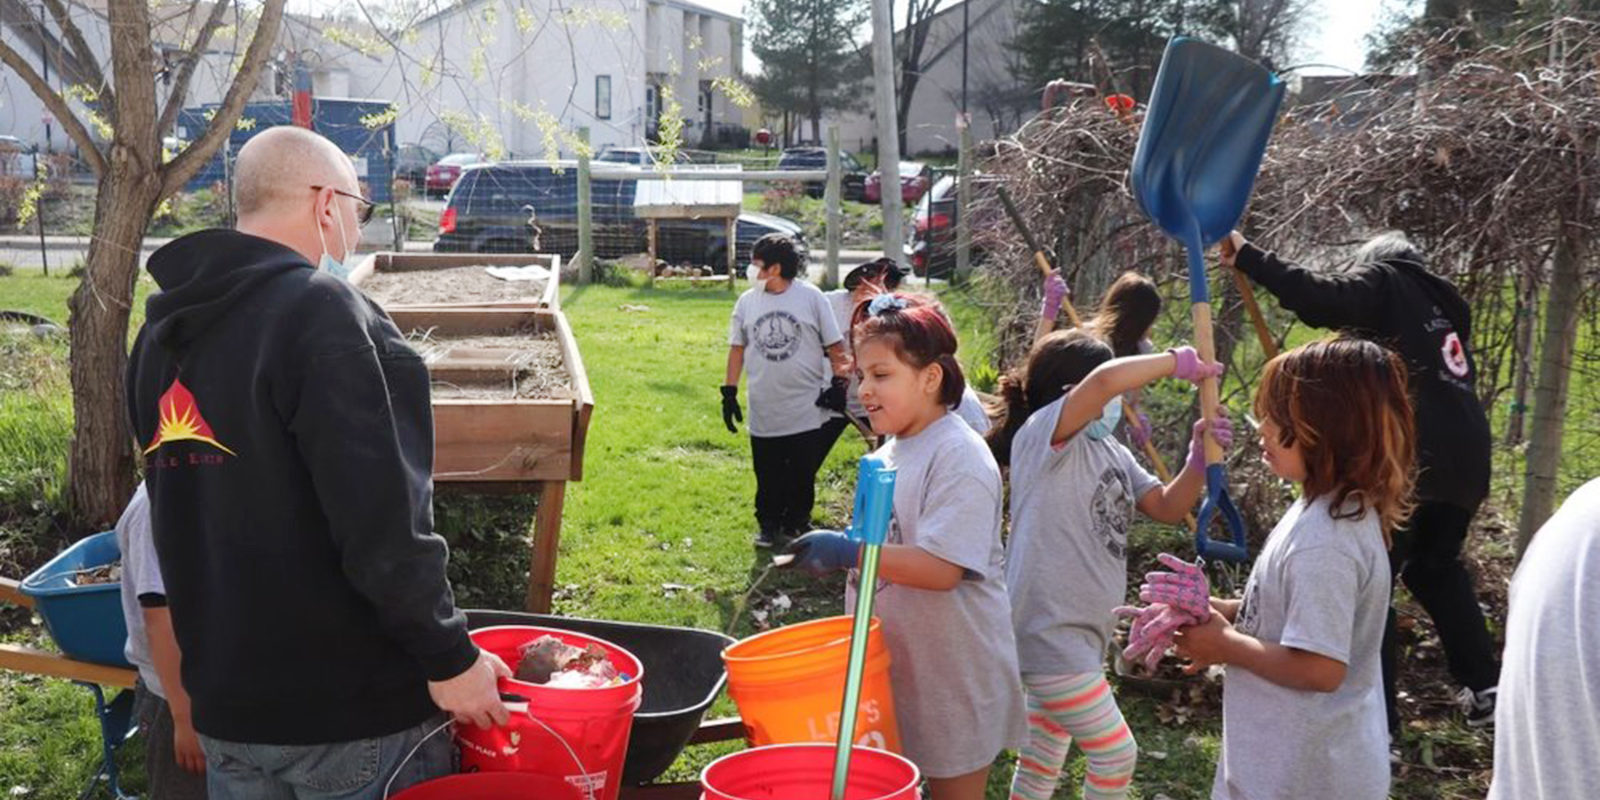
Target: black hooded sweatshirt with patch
{"x": 288, "y": 444}
{"x": 1401, "y": 305}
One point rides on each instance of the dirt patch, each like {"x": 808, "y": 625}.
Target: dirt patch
{"x": 471, "y": 284}
{"x": 514, "y": 366}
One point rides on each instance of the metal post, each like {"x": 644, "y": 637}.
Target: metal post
{"x": 888, "y": 128}
{"x": 963, "y": 198}
{"x": 965, "y": 24}
{"x": 585, "y": 215}
{"x": 831, "y": 195}
{"x": 650, "y": 269}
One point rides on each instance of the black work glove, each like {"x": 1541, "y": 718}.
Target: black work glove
{"x": 833, "y": 398}
{"x": 730, "y": 407}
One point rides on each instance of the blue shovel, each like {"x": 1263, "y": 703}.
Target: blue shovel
{"x": 1204, "y": 135}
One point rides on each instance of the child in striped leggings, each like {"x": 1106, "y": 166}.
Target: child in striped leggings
{"x": 1073, "y": 491}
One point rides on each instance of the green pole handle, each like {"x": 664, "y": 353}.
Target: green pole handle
{"x": 858, "y": 661}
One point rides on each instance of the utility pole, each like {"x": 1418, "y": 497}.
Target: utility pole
{"x": 966, "y": 22}
{"x": 888, "y": 128}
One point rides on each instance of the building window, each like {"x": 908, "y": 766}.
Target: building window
{"x": 602, "y": 97}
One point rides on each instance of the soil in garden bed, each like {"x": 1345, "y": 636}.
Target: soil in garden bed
{"x": 454, "y": 285}
{"x": 534, "y": 369}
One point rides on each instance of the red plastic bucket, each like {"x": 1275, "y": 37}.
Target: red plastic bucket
{"x": 805, "y": 772}
{"x": 579, "y": 736}
{"x": 492, "y": 786}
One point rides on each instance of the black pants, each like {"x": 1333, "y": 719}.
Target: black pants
{"x": 1427, "y": 555}
{"x": 168, "y": 781}
{"x": 786, "y": 477}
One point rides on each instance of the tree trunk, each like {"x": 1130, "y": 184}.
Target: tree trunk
{"x": 1522, "y": 353}
{"x": 1550, "y": 393}
{"x": 102, "y": 458}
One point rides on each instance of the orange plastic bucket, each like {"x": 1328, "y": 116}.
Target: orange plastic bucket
{"x": 789, "y": 685}
{"x": 805, "y": 772}
{"x": 579, "y": 736}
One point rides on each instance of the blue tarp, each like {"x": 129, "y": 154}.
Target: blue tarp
{"x": 338, "y": 119}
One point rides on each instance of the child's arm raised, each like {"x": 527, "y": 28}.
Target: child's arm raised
{"x": 1170, "y": 503}
{"x": 1086, "y": 400}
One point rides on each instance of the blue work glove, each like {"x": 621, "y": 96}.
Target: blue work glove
{"x": 822, "y": 552}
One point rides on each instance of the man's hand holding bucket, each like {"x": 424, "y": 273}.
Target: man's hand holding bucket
{"x": 474, "y": 695}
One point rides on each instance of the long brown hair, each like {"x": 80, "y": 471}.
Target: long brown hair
{"x": 1343, "y": 401}
{"x": 1126, "y": 313}
{"x": 1056, "y": 361}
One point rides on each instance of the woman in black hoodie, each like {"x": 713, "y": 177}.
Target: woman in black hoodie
{"x": 1388, "y": 296}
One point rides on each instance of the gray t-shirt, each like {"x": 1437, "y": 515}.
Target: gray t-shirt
{"x": 971, "y": 411}
{"x": 1547, "y": 716}
{"x": 784, "y": 337}
{"x": 1321, "y": 585}
{"x": 957, "y": 692}
{"x": 1067, "y": 560}
{"x": 843, "y": 309}
{"x": 141, "y": 576}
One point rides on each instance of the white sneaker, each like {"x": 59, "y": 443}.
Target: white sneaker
{"x": 1478, "y": 706}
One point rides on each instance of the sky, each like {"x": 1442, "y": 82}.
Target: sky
{"x": 1337, "y": 35}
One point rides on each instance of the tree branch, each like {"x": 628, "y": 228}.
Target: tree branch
{"x": 180, "y": 85}
{"x": 57, "y": 106}
{"x": 178, "y": 171}
{"x": 81, "y": 51}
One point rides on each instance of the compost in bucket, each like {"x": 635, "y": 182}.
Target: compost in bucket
{"x": 789, "y": 684}
{"x": 805, "y": 772}
{"x": 576, "y": 735}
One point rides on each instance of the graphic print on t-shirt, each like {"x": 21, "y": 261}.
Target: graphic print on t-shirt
{"x": 1112, "y": 510}
{"x": 1249, "y": 610}
{"x": 1455, "y": 355}
{"x": 777, "y": 335}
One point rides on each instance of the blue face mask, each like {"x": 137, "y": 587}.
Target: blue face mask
{"x": 333, "y": 266}
{"x": 1107, "y": 423}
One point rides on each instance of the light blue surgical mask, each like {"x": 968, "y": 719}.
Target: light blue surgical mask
{"x": 333, "y": 266}
{"x": 1107, "y": 423}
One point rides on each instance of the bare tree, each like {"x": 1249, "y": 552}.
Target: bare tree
{"x": 914, "y": 40}
{"x": 133, "y": 178}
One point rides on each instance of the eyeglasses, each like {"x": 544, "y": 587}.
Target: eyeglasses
{"x": 364, "y": 215}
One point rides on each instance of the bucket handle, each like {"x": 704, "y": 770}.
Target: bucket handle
{"x": 516, "y": 704}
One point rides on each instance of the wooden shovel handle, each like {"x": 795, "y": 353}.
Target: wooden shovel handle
{"x": 1209, "y": 399}
{"x": 1268, "y": 345}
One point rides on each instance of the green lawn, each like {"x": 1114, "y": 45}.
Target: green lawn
{"x": 658, "y": 531}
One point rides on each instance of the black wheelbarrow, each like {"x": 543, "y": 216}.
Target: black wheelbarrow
{"x": 683, "y": 672}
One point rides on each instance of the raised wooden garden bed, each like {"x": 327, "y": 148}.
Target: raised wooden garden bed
{"x": 455, "y": 280}
{"x": 511, "y": 400}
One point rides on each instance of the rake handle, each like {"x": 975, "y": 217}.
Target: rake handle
{"x": 1040, "y": 260}
{"x": 1268, "y": 345}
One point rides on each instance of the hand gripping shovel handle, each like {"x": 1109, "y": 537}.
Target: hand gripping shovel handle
{"x": 1040, "y": 260}
{"x": 869, "y": 525}
{"x": 1217, "y": 499}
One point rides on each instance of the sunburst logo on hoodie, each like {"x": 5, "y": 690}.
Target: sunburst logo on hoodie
{"x": 180, "y": 420}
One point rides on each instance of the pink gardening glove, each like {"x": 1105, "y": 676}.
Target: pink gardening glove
{"x": 1150, "y": 637}
{"x": 1139, "y": 430}
{"x": 1190, "y": 368}
{"x": 1055, "y": 290}
{"x": 1221, "y": 430}
{"x": 1184, "y": 588}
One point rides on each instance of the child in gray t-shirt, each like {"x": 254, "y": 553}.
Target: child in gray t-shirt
{"x": 1302, "y": 703}
{"x": 1073, "y": 491}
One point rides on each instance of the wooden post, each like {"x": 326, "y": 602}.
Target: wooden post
{"x": 963, "y": 196}
{"x": 546, "y": 542}
{"x": 586, "y": 214}
{"x": 733, "y": 249}
{"x": 888, "y": 127}
{"x": 832, "y": 195}
{"x": 651, "y": 268}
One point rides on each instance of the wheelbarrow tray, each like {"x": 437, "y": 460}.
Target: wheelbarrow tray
{"x": 86, "y": 622}
{"x": 684, "y": 674}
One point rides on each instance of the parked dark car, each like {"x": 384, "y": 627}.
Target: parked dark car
{"x": 932, "y": 246}
{"x": 442, "y": 175}
{"x": 852, "y": 177}
{"x": 489, "y": 207}
{"x": 411, "y": 163}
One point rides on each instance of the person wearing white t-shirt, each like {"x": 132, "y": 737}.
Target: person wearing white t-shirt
{"x": 780, "y": 330}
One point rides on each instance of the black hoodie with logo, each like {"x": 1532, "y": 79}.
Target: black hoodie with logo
{"x": 288, "y": 445}
{"x": 1401, "y": 305}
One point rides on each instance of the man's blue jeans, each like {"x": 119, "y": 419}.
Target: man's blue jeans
{"x": 357, "y": 770}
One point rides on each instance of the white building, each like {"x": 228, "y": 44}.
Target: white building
{"x": 511, "y": 67}
{"x": 996, "y": 99}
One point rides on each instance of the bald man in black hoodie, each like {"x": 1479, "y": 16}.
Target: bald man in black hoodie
{"x": 288, "y": 440}
{"x": 1388, "y": 296}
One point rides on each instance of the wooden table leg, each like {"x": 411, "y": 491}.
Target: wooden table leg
{"x": 546, "y": 540}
